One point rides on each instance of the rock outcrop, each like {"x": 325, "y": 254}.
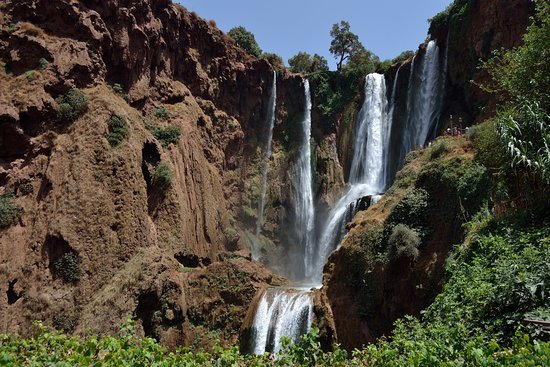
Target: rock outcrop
{"x": 104, "y": 231}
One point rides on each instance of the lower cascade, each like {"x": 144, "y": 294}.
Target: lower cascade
{"x": 280, "y": 313}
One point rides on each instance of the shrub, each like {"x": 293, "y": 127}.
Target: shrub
{"x": 68, "y": 267}
{"x": 161, "y": 112}
{"x": 64, "y": 322}
{"x": 30, "y": 74}
{"x": 163, "y": 176}
{"x": 166, "y": 136}
{"x": 117, "y": 88}
{"x": 118, "y": 130}
{"x": 230, "y": 234}
{"x": 9, "y": 212}
{"x": 440, "y": 147}
{"x": 42, "y": 63}
{"x": 403, "y": 241}
{"x": 245, "y": 40}
{"x": 275, "y": 61}
{"x": 71, "y": 105}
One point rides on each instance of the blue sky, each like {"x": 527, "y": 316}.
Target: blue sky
{"x": 285, "y": 27}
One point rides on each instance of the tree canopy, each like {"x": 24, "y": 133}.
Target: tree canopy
{"x": 246, "y": 40}
{"x": 345, "y": 44}
{"x": 304, "y": 63}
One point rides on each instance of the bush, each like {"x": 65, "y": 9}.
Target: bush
{"x": 118, "y": 130}
{"x": 403, "y": 241}
{"x": 9, "y": 212}
{"x": 275, "y": 61}
{"x": 163, "y": 176}
{"x": 166, "y": 136}
{"x": 68, "y": 267}
{"x": 71, "y": 105}
{"x": 42, "y": 63}
{"x": 161, "y": 113}
{"x": 245, "y": 40}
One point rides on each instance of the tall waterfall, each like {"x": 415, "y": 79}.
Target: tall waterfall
{"x": 304, "y": 210}
{"x": 367, "y": 166}
{"x": 267, "y": 153}
{"x": 280, "y": 312}
{"x": 289, "y": 312}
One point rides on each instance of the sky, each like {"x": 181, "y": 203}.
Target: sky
{"x": 286, "y": 27}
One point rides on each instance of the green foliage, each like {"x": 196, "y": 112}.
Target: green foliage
{"x": 230, "y": 234}
{"x": 64, "y": 322}
{"x": 521, "y": 78}
{"x": 118, "y": 130}
{"x": 30, "y": 74}
{"x": 162, "y": 177}
{"x": 275, "y": 60}
{"x": 43, "y": 63}
{"x": 245, "y": 40}
{"x": 525, "y": 131}
{"x": 166, "y": 136}
{"x": 161, "y": 113}
{"x": 9, "y": 212}
{"x": 403, "y": 241}
{"x": 117, "y": 88}
{"x": 71, "y": 105}
{"x": 306, "y": 64}
{"x": 68, "y": 267}
{"x": 345, "y": 44}
{"x": 403, "y": 56}
{"x": 411, "y": 209}
{"x": 490, "y": 151}
{"x": 441, "y": 147}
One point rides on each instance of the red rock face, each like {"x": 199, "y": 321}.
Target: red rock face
{"x": 488, "y": 26}
{"x": 81, "y": 196}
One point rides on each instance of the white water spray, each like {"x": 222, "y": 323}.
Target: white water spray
{"x": 304, "y": 210}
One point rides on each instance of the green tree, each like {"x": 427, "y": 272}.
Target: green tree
{"x": 405, "y": 55}
{"x": 245, "y": 40}
{"x": 345, "y": 44}
{"x": 520, "y": 77}
{"x": 275, "y": 60}
{"x": 304, "y": 63}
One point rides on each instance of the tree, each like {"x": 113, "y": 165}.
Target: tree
{"x": 275, "y": 60}
{"x": 521, "y": 78}
{"x": 245, "y": 40}
{"x": 344, "y": 44}
{"x": 304, "y": 63}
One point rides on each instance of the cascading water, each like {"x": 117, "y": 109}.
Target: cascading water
{"x": 266, "y": 156}
{"x": 280, "y": 312}
{"x": 288, "y": 312}
{"x": 427, "y": 97}
{"x": 367, "y": 167}
{"x": 304, "y": 210}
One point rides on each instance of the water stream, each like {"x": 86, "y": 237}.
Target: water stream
{"x": 272, "y": 107}
{"x": 289, "y": 311}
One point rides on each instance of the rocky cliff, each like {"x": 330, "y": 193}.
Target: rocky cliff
{"x": 369, "y": 282}
{"x": 145, "y": 226}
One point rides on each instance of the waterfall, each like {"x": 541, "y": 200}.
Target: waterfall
{"x": 304, "y": 210}
{"x": 280, "y": 312}
{"x": 367, "y": 167}
{"x": 267, "y": 154}
{"x": 289, "y": 312}
{"x": 427, "y": 95}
